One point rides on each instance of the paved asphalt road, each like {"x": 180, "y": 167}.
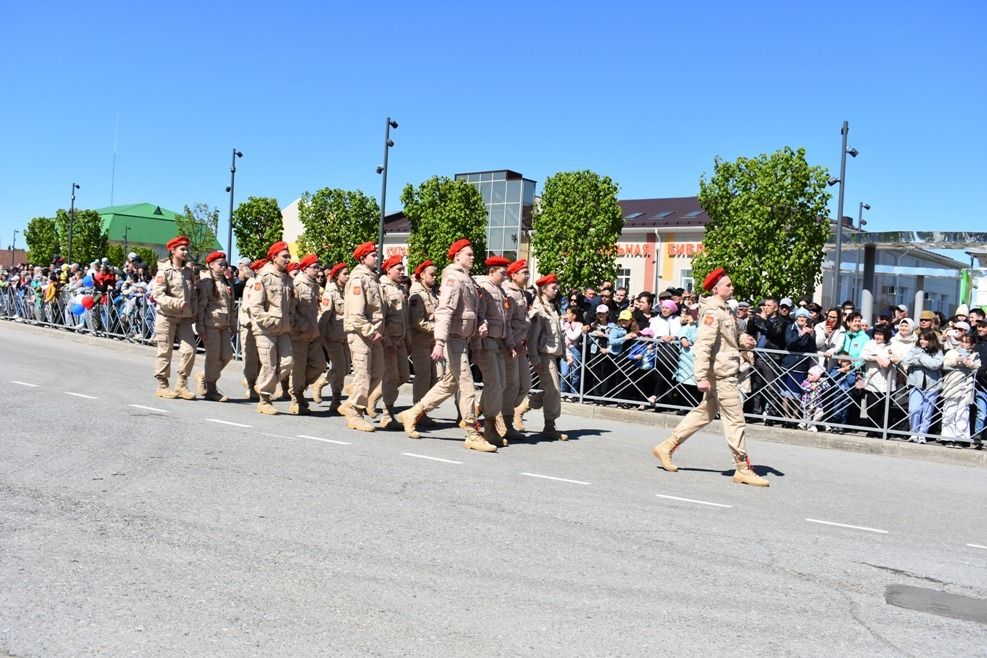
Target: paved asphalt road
{"x": 131, "y": 525}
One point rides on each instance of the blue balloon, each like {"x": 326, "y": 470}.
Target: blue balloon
{"x": 78, "y": 309}
{"x": 88, "y": 281}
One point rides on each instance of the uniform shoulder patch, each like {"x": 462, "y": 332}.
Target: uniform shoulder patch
{"x": 709, "y": 319}
{"x": 258, "y": 285}
{"x": 357, "y": 290}
{"x": 160, "y": 278}
{"x": 507, "y": 304}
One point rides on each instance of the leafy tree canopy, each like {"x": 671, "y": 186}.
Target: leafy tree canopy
{"x": 442, "y": 210}
{"x": 335, "y": 221}
{"x": 41, "y": 236}
{"x": 257, "y": 225}
{"x": 199, "y": 224}
{"x": 88, "y": 239}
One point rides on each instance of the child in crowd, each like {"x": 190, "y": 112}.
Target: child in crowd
{"x": 960, "y": 364}
{"x": 814, "y": 388}
{"x": 844, "y": 379}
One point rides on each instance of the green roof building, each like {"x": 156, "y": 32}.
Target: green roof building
{"x": 141, "y": 225}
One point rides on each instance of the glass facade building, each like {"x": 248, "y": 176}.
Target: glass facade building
{"x": 509, "y": 198}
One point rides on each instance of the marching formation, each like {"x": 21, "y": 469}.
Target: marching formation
{"x": 297, "y": 337}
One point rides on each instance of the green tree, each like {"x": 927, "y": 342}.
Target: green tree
{"x": 199, "y": 224}
{"x": 257, "y": 225}
{"x": 441, "y": 211}
{"x": 767, "y": 223}
{"x": 41, "y": 236}
{"x": 147, "y": 256}
{"x": 575, "y": 228}
{"x": 335, "y": 222}
{"x": 116, "y": 255}
{"x": 88, "y": 241}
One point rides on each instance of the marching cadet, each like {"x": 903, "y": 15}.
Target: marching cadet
{"x": 422, "y": 302}
{"x": 516, "y": 367}
{"x": 271, "y": 308}
{"x": 248, "y": 344}
{"x": 174, "y": 293}
{"x": 547, "y": 344}
{"x": 216, "y": 323}
{"x": 333, "y": 337}
{"x": 395, "y": 364}
{"x": 455, "y": 324}
{"x": 306, "y": 347}
{"x": 489, "y": 351}
{"x": 363, "y": 322}
{"x": 717, "y": 364}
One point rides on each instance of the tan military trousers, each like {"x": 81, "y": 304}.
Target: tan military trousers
{"x": 457, "y": 378}
{"x": 368, "y": 369}
{"x": 248, "y": 352}
{"x": 552, "y": 397}
{"x": 723, "y": 397}
{"x": 219, "y": 352}
{"x": 309, "y": 364}
{"x": 517, "y": 382}
{"x": 425, "y": 369}
{"x": 490, "y": 359}
{"x": 166, "y": 330}
{"x": 339, "y": 360}
{"x": 276, "y": 361}
{"x": 396, "y": 372}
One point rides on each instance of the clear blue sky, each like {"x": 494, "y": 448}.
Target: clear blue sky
{"x": 647, "y": 93}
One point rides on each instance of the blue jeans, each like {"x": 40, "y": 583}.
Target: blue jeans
{"x": 570, "y": 373}
{"x": 980, "y": 398}
{"x": 921, "y": 408}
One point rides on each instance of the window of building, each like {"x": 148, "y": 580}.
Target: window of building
{"x": 623, "y": 277}
{"x": 685, "y": 280}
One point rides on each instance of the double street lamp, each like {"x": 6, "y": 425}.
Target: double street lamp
{"x": 229, "y": 188}
{"x": 382, "y": 169}
{"x": 13, "y": 245}
{"x": 861, "y": 223}
{"x": 852, "y": 152}
{"x": 75, "y": 186}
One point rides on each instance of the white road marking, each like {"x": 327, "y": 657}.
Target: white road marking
{"x": 977, "y": 546}
{"x": 549, "y": 477}
{"x": 141, "y": 406}
{"x": 81, "y": 395}
{"x": 317, "y": 438}
{"x": 844, "y": 525}
{"x": 14, "y": 381}
{"x": 226, "y": 422}
{"x": 434, "y": 459}
{"x": 693, "y": 500}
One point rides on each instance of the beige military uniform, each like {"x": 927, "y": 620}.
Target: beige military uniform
{"x": 363, "y": 318}
{"x": 396, "y": 370}
{"x": 334, "y": 338}
{"x": 422, "y": 302}
{"x": 517, "y": 379}
{"x": 717, "y": 355}
{"x": 271, "y": 306}
{"x": 248, "y": 345}
{"x": 547, "y": 344}
{"x": 216, "y": 322}
{"x": 455, "y": 325}
{"x": 488, "y": 352}
{"x": 306, "y": 346}
{"x": 174, "y": 293}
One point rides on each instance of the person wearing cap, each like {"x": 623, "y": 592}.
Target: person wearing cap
{"x": 243, "y": 275}
{"x": 717, "y": 364}
{"x": 517, "y": 369}
{"x": 489, "y": 351}
{"x": 248, "y": 343}
{"x": 455, "y": 324}
{"x": 174, "y": 293}
{"x": 422, "y": 302}
{"x": 546, "y": 343}
{"x": 743, "y": 316}
{"x": 309, "y": 361}
{"x": 271, "y": 308}
{"x": 395, "y": 351}
{"x": 331, "y": 313}
{"x": 216, "y": 322}
{"x": 363, "y": 322}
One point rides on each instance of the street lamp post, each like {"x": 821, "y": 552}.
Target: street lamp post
{"x": 861, "y": 223}
{"x": 839, "y": 211}
{"x": 75, "y": 186}
{"x": 13, "y": 245}
{"x": 382, "y": 169}
{"x": 229, "y": 188}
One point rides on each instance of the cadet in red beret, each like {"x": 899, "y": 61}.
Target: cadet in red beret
{"x": 308, "y": 260}
{"x": 180, "y": 241}
{"x": 270, "y": 307}
{"x": 490, "y": 350}
{"x": 306, "y": 345}
{"x": 334, "y": 337}
{"x": 336, "y": 269}
{"x": 421, "y": 267}
{"x": 292, "y": 267}
{"x": 716, "y": 376}
{"x": 364, "y": 250}
{"x": 546, "y": 344}
{"x": 364, "y": 324}
{"x": 422, "y": 302}
{"x": 516, "y": 267}
{"x": 547, "y": 279}
{"x": 276, "y": 249}
{"x": 257, "y": 264}
{"x": 517, "y": 369}
{"x": 216, "y": 255}
{"x": 391, "y": 262}
{"x": 175, "y": 293}
{"x": 457, "y": 246}
{"x": 215, "y": 322}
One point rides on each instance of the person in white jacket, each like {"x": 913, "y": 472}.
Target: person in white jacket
{"x": 960, "y": 365}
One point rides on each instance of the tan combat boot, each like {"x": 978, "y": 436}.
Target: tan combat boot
{"x": 200, "y": 385}
{"x": 745, "y": 474}
{"x": 663, "y": 452}
{"x": 346, "y": 409}
{"x": 265, "y": 406}
{"x": 501, "y": 428}
{"x": 519, "y": 414}
{"x": 387, "y": 421}
{"x": 372, "y": 412}
{"x": 553, "y": 434}
{"x": 317, "y": 387}
{"x": 356, "y": 421}
{"x": 294, "y": 409}
{"x": 409, "y": 418}
{"x": 182, "y": 389}
{"x": 475, "y": 441}
{"x": 213, "y": 394}
{"x": 165, "y": 392}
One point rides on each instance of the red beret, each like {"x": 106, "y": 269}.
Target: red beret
{"x": 457, "y": 246}
{"x": 712, "y": 278}
{"x": 364, "y": 250}
{"x": 308, "y": 259}
{"x": 180, "y": 241}
{"x": 257, "y": 264}
{"x": 277, "y": 248}
{"x": 547, "y": 279}
{"x": 396, "y": 259}
{"x": 517, "y": 266}
{"x": 292, "y": 267}
{"x": 336, "y": 269}
{"x": 216, "y": 255}
{"x": 421, "y": 267}
{"x": 497, "y": 261}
